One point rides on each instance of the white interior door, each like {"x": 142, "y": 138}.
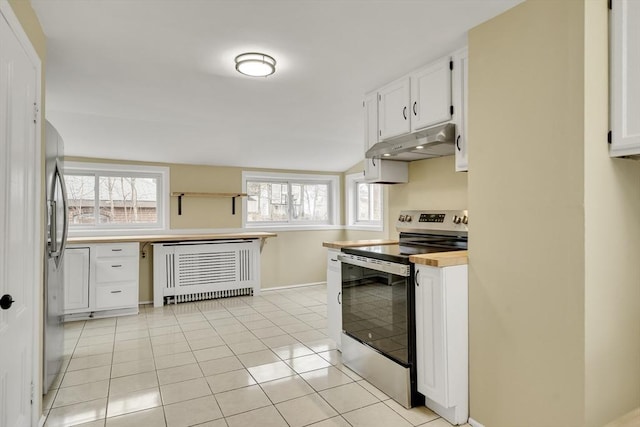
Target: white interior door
{"x": 19, "y": 237}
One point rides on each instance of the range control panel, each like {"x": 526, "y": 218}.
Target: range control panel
{"x": 424, "y": 217}
{"x": 432, "y": 220}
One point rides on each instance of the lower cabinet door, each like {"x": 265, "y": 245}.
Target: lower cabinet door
{"x": 334, "y": 302}
{"x": 76, "y": 279}
{"x": 430, "y": 335}
{"x": 121, "y": 295}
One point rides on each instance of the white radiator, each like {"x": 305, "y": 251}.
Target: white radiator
{"x": 193, "y": 271}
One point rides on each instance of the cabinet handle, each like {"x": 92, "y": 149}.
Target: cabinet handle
{"x": 415, "y": 103}
{"x": 117, "y": 266}
{"x": 416, "y": 279}
{"x": 334, "y": 260}
{"x": 458, "y": 143}
{"x": 339, "y": 300}
{"x": 373, "y": 161}
{"x": 115, "y": 292}
{"x": 116, "y": 250}
{"x": 404, "y": 112}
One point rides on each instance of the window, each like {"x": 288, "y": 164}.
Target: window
{"x": 364, "y": 202}
{"x": 107, "y": 197}
{"x": 289, "y": 199}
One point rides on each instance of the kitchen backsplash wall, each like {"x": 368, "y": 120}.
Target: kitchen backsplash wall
{"x": 433, "y": 184}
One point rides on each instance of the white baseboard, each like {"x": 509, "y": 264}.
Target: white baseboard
{"x": 145, "y": 302}
{"x": 474, "y": 423}
{"x": 279, "y": 288}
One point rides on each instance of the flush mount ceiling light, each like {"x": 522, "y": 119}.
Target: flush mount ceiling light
{"x": 255, "y": 64}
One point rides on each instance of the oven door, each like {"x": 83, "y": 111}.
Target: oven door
{"x": 377, "y": 305}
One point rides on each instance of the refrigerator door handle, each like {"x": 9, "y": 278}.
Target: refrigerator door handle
{"x": 57, "y": 250}
{"x": 53, "y": 229}
{"x": 65, "y": 204}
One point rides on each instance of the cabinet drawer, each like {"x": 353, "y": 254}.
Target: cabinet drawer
{"x": 117, "y": 250}
{"x": 116, "y": 296}
{"x": 116, "y": 270}
{"x": 332, "y": 260}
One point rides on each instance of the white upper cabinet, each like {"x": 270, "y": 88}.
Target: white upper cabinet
{"x": 376, "y": 170}
{"x": 416, "y": 102}
{"x": 386, "y": 171}
{"x": 431, "y": 95}
{"x": 624, "y": 78}
{"x": 370, "y": 105}
{"x": 460, "y": 90}
{"x": 393, "y": 109}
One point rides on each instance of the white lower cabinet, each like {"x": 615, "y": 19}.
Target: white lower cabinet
{"x": 76, "y": 279}
{"x": 101, "y": 279}
{"x": 442, "y": 340}
{"x": 334, "y": 296}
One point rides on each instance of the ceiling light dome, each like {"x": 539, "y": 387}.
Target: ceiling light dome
{"x": 255, "y": 64}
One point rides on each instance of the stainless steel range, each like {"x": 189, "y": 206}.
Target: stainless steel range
{"x": 378, "y": 300}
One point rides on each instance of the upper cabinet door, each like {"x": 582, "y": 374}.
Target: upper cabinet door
{"x": 624, "y": 78}
{"x": 393, "y": 109}
{"x": 460, "y": 89}
{"x": 431, "y": 95}
{"x": 370, "y": 105}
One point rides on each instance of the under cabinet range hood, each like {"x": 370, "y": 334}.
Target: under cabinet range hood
{"x": 437, "y": 141}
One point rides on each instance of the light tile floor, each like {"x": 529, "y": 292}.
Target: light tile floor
{"x": 262, "y": 361}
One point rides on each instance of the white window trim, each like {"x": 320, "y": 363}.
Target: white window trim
{"x": 350, "y": 196}
{"x": 163, "y": 204}
{"x": 333, "y": 202}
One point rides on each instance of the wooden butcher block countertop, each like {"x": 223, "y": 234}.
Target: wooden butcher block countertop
{"x": 357, "y": 243}
{"x": 441, "y": 259}
{"x": 170, "y": 237}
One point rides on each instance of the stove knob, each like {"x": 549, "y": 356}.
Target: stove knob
{"x": 401, "y": 218}
{"x": 457, "y": 219}
{"x": 407, "y": 218}
{"x": 465, "y": 220}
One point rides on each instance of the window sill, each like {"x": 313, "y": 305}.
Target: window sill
{"x": 365, "y": 227}
{"x": 289, "y": 227}
{"x": 118, "y": 232}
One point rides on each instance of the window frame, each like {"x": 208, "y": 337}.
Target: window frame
{"x": 117, "y": 169}
{"x": 333, "y": 201}
{"x": 351, "y": 196}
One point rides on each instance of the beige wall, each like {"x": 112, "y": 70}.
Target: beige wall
{"x": 612, "y": 248}
{"x": 292, "y": 258}
{"x": 553, "y": 291}
{"x": 31, "y": 26}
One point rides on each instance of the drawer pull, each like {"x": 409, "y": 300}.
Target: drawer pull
{"x": 117, "y": 266}
{"x": 115, "y": 292}
{"x": 116, "y": 250}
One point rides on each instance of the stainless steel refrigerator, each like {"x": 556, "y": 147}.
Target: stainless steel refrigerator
{"x": 56, "y": 238}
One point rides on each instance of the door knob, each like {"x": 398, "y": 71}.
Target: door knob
{"x": 6, "y": 301}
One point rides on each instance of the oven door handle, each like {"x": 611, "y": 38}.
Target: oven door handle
{"x": 403, "y": 270}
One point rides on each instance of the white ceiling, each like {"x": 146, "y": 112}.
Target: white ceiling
{"x": 154, "y": 80}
